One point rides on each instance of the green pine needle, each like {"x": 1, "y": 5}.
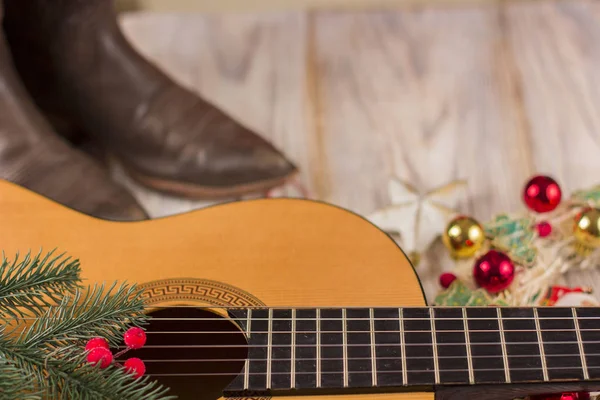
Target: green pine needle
{"x": 45, "y": 321}
{"x": 14, "y": 384}
{"x": 98, "y": 312}
{"x": 31, "y": 285}
{"x": 66, "y": 375}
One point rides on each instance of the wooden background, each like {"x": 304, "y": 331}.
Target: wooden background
{"x": 491, "y": 94}
{"x": 261, "y": 5}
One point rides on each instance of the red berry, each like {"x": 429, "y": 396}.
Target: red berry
{"x": 135, "y": 338}
{"x": 544, "y": 229}
{"x": 100, "y": 355}
{"x": 446, "y": 279}
{"x": 135, "y": 366}
{"x": 96, "y": 342}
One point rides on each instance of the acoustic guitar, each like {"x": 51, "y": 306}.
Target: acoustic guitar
{"x": 304, "y": 300}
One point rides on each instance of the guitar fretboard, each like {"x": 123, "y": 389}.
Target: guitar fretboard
{"x": 341, "y": 350}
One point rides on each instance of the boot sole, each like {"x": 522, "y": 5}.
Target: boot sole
{"x": 197, "y": 192}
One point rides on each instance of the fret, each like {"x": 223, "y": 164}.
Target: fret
{"x": 257, "y": 351}
{"x": 560, "y": 343}
{"x": 359, "y": 348}
{"x": 293, "y": 351}
{"x": 419, "y": 348}
{"x": 436, "y": 367}
{"x": 453, "y": 363}
{"x": 485, "y": 345}
{"x": 373, "y": 348}
{"x": 332, "y": 348}
{"x": 279, "y": 374}
{"x": 247, "y": 366}
{"x": 402, "y": 347}
{"x": 307, "y": 349}
{"x": 523, "y": 345}
{"x": 269, "y": 347}
{"x": 318, "y": 348}
{"x": 389, "y": 365}
{"x": 588, "y": 320}
{"x": 345, "y": 346}
{"x": 540, "y": 343}
{"x": 586, "y": 374}
{"x": 242, "y": 318}
{"x": 468, "y": 346}
{"x": 503, "y": 344}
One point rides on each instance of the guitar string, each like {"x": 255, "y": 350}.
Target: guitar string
{"x": 309, "y": 308}
{"x": 474, "y": 319}
{"x": 201, "y": 360}
{"x": 282, "y": 346}
{"x": 373, "y": 331}
{"x": 363, "y": 308}
{"x": 234, "y": 374}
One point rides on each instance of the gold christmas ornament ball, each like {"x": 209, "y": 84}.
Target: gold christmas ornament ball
{"x": 587, "y": 227}
{"x": 463, "y": 237}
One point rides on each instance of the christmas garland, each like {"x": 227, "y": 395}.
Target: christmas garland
{"x": 516, "y": 259}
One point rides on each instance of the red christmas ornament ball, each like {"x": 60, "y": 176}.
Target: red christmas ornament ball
{"x": 562, "y": 396}
{"x": 494, "y": 271}
{"x": 100, "y": 355}
{"x": 544, "y": 229}
{"x": 542, "y": 194}
{"x": 135, "y": 338}
{"x": 96, "y": 342}
{"x": 135, "y": 366}
{"x": 446, "y": 279}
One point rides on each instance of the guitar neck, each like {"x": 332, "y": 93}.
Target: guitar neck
{"x": 363, "y": 349}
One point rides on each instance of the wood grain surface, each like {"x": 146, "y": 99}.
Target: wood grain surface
{"x": 489, "y": 94}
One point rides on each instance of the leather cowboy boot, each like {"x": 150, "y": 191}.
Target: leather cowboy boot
{"x": 33, "y": 156}
{"x": 76, "y": 62}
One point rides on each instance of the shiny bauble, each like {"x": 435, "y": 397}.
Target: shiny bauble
{"x": 587, "y": 227}
{"x": 494, "y": 271}
{"x": 463, "y": 237}
{"x": 542, "y": 194}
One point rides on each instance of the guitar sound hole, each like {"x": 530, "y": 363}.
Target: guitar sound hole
{"x": 190, "y": 345}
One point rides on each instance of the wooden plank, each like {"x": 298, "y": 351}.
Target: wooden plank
{"x": 270, "y": 5}
{"x": 426, "y": 95}
{"x": 252, "y": 66}
{"x": 556, "y": 47}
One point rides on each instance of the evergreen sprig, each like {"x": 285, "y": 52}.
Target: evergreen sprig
{"x": 66, "y": 375}
{"x": 14, "y": 384}
{"x": 97, "y": 312}
{"x": 31, "y": 284}
{"x": 46, "y": 317}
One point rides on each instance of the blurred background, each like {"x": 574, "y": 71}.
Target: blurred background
{"x": 458, "y": 102}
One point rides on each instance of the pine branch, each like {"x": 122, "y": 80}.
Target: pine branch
{"x": 98, "y": 312}
{"x": 30, "y": 285}
{"x": 69, "y": 376}
{"x": 14, "y": 384}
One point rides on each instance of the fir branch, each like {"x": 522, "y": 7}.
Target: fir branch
{"x": 31, "y": 285}
{"x": 98, "y": 312}
{"x": 70, "y": 377}
{"x": 14, "y": 384}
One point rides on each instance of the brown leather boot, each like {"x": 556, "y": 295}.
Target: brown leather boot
{"x": 76, "y": 62}
{"x": 33, "y": 156}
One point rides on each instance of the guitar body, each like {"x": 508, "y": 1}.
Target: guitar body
{"x": 275, "y": 252}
